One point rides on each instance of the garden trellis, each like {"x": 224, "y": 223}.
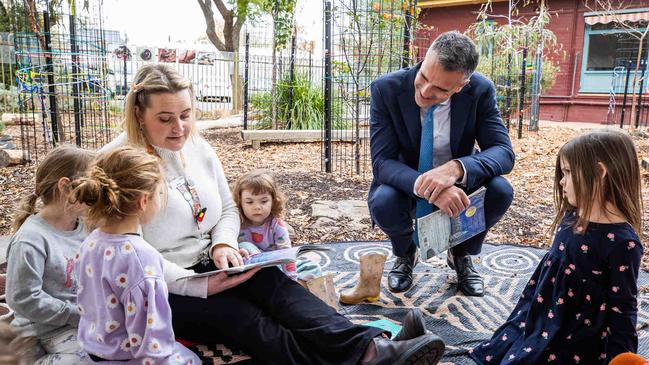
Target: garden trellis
{"x": 363, "y": 40}
{"x": 61, "y": 76}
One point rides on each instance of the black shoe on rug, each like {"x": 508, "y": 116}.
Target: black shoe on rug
{"x": 469, "y": 281}
{"x": 413, "y": 325}
{"x": 400, "y": 277}
{"x": 422, "y": 350}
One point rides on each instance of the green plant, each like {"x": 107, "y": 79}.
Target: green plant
{"x": 306, "y": 111}
{"x": 498, "y": 41}
{"x": 549, "y": 69}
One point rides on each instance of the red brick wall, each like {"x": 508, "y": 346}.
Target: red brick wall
{"x": 563, "y": 102}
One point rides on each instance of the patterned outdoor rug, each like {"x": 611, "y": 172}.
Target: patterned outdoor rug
{"x": 461, "y": 321}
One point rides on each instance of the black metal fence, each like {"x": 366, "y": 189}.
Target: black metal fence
{"x": 517, "y": 80}
{"x": 284, "y": 93}
{"x": 622, "y": 93}
{"x": 363, "y": 40}
{"x": 71, "y": 78}
{"x": 8, "y": 89}
{"x": 61, "y": 77}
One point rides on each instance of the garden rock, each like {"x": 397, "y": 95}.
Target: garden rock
{"x": 327, "y": 212}
{"x": 6, "y": 142}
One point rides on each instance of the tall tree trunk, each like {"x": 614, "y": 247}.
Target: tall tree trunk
{"x": 227, "y": 43}
{"x": 34, "y": 25}
{"x": 237, "y": 85}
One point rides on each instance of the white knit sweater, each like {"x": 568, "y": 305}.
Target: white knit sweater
{"x": 174, "y": 231}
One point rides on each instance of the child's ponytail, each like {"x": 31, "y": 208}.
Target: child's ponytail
{"x": 26, "y": 207}
{"x": 62, "y": 162}
{"x": 97, "y": 190}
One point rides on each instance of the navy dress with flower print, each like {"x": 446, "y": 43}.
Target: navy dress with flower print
{"x": 579, "y": 306}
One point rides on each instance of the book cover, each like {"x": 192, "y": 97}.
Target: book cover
{"x": 386, "y": 325}
{"x": 263, "y": 259}
{"x": 438, "y": 232}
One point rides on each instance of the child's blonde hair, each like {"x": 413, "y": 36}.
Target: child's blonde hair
{"x": 620, "y": 186}
{"x": 149, "y": 80}
{"x": 63, "y": 161}
{"x": 259, "y": 182}
{"x": 115, "y": 182}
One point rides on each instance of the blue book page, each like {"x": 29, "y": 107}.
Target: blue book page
{"x": 263, "y": 259}
{"x": 272, "y": 256}
{"x": 470, "y": 222}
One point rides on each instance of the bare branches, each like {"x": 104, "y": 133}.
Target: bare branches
{"x": 211, "y": 25}
{"x": 225, "y": 13}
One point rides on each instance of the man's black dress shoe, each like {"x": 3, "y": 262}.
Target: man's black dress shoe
{"x": 469, "y": 281}
{"x": 413, "y": 325}
{"x": 422, "y": 350}
{"x": 400, "y": 277}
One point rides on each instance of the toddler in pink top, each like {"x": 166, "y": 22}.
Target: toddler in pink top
{"x": 261, "y": 207}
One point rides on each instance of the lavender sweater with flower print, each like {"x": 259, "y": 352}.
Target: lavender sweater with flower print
{"x": 122, "y": 299}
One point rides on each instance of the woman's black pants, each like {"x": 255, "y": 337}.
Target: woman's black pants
{"x": 274, "y": 320}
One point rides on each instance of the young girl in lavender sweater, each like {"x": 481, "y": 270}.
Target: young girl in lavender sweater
{"x": 122, "y": 294}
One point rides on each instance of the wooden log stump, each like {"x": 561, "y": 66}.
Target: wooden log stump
{"x": 11, "y": 157}
{"x": 18, "y": 119}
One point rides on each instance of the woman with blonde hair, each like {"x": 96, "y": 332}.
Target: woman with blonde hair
{"x": 197, "y": 231}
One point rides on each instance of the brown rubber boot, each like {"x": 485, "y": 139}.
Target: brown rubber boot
{"x": 369, "y": 283}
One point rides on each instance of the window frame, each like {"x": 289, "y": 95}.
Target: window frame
{"x": 599, "y": 82}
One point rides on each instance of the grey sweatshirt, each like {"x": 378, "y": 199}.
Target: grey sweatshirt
{"x": 41, "y": 286}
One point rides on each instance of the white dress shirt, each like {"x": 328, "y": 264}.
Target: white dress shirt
{"x": 441, "y": 137}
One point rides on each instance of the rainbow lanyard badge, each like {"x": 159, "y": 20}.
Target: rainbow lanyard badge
{"x": 187, "y": 189}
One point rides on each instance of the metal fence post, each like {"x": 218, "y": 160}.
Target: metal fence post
{"x": 124, "y": 67}
{"x": 536, "y": 90}
{"x": 327, "y": 87}
{"x": 508, "y": 96}
{"x": 246, "y": 83}
{"x": 310, "y": 65}
{"x": 521, "y": 96}
{"x": 291, "y": 88}
{"x": 626, "y": 91}
{"x": 51, "y": 89}
{"x": 75, "y": 76}
{"x": 407, "y": 30}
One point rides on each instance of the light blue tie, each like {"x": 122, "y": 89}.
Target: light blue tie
{"x": 425, "y": 161}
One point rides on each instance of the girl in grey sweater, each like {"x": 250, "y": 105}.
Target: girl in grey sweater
{"x": 41, "y": 287}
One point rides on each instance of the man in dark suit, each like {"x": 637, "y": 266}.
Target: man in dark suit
{"x": 424, "y": 124}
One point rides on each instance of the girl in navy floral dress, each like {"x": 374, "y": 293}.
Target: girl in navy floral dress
{"x": 580, "y": 305}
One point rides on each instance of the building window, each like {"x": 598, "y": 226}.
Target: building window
{"x": 607, "y": 50}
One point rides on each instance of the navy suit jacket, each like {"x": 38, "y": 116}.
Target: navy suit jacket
{"x": 395, "y": 132}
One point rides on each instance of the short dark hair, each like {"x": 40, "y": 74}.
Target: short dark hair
{"x": 456, "y": 52}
